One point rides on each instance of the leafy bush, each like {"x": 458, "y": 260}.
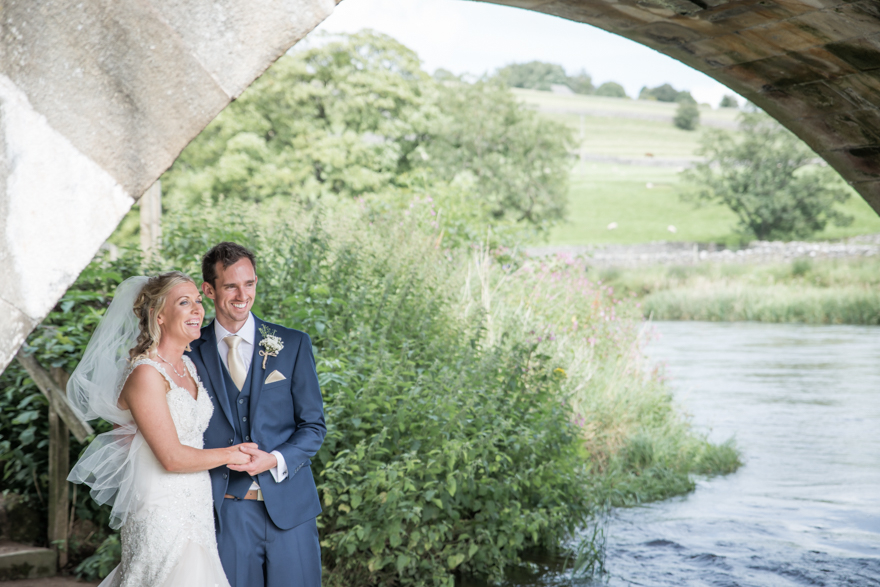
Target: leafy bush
{"x": 687, "y": 115}
{"x": 443, "y": 453}
{"x": 769, "y": 179}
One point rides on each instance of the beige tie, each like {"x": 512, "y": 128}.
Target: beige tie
{"x": 234, "y": 362}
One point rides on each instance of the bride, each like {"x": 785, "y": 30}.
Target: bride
{"x": 152, "y": 467}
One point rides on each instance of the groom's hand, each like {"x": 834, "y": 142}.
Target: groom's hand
{"x": 260, "y": 461}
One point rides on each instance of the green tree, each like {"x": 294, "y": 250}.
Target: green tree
{"x": 444, "y": 75}
{"x": 664, "y": 93}
{"x": 535, "y": 75}
{"x": 769, "y": 178}
{"x": 359, "y": 117}
{"x": 684, "y": 96}
{"x": 687, "y": 115}
{"x": 581, "y": 83}
{"x": 611, "y": 90}
{"x": 729, "y": 101}
{"x": 517, "y": 162}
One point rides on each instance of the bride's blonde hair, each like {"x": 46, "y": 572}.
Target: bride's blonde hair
{"x": 147, "y": 307}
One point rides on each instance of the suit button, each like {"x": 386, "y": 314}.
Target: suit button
{"x": 225, "y": 475}
{"x": 244, "y": 419}
{"x": 241, "y": 401}
{"x": 230, "y": 441}
{"x": 247, "y": 438}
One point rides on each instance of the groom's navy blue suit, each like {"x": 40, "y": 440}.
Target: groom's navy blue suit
{"x": 276, "y": 537}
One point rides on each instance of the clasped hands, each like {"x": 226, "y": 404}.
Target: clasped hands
{"x": 248, "y": 458}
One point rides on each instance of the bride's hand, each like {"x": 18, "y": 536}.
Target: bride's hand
{"x": 236, "y": 457}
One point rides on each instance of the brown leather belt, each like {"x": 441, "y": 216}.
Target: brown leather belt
{"x": 256, "y": 494}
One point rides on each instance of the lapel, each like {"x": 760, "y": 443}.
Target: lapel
{"x": 211, "y": 358}
{"x": 258, "y": 374}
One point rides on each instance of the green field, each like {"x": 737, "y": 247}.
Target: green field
{"x": 628, "y": 175}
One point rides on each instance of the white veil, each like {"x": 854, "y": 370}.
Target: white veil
{"x": 107, "y": 465}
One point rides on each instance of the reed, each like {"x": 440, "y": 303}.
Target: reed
{"x": 843, "y": 291}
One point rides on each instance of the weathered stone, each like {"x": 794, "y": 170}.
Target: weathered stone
{"x": 97, "y": 99}
{"x": 863, "y": 54}
{"x": 870, "y": 190}
{"x": 26, "y": 563}
{"x": 19, "y": 522}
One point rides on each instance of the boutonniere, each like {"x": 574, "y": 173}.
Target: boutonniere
{"x": 271, "y": 343}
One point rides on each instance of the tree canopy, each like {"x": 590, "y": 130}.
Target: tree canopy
{"x": 770, "y": 179}
{"x": 357, "y": 117}
{"x": 611, "y": 90}
{"x": 534, "y": 75}
{"x": 665, "y": 93}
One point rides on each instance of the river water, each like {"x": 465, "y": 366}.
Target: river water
{"x": 803, "y": 403}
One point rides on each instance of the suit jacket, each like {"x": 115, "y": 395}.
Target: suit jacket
{"x": 286, "y": 416}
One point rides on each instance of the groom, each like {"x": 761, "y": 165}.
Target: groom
{"x": 262, "y": 380}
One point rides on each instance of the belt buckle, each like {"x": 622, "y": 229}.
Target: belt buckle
{"x": 260, "y": 495}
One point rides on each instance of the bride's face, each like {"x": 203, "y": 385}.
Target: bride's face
{"x": 181, "y": 318}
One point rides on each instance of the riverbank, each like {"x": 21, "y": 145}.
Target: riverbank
{"x": 830, "y": 282}
{"x": 803, "y": 290}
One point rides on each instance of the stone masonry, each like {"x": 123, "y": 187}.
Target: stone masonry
{"x": 97, "y": 99}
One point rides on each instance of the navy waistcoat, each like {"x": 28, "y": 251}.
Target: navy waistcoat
{"x": 239, "y": 482}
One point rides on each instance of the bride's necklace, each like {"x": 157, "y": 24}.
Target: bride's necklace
{"x": 169, "y": 364}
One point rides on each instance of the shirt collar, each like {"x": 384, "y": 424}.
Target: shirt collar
{"x": 247, "y": 332}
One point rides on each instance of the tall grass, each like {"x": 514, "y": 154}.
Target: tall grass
{"x": 638, "y": 446}
{"x": 843, "y": 291}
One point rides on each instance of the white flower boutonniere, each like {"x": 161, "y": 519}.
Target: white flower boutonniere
{"x": 271, "y": 343}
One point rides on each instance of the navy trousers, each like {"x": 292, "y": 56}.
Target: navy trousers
{"x": 256, "y": 553}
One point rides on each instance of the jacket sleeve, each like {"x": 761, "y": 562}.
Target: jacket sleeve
{"x": 310, "y": 428}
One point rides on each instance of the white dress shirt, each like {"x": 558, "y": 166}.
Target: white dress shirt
{"x": 248, "y": 334}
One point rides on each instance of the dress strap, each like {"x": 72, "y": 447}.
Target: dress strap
{"x": 191, "y": 367}
{"x": 158, "y": 368}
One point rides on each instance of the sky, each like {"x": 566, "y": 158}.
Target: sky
{"x": 477, "y": 38}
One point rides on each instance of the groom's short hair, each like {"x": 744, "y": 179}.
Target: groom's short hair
{"x": 227, "y": 254}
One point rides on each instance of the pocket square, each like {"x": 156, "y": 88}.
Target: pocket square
{"x": 275, "y": 376}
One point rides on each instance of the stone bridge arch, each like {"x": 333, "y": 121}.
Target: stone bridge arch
{"x": 98, "y": 97}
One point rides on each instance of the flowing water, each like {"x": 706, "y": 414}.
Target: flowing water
{"x": 803, "y": 403}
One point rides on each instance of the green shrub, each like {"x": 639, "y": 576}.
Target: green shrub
{"x": 687, "y": 115}
{"x": 99, "y": 565}
{"x": 476, "y": 409}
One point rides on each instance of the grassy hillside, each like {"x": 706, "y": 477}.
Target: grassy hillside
{"x": 631, "y": 156}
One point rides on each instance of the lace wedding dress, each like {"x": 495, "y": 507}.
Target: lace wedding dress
{"x": 168, "y": 539}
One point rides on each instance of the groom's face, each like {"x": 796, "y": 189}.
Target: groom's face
{"x": 233, "y": 293}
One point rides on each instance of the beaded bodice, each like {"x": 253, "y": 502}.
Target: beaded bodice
{"x": 191, "y": 416}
